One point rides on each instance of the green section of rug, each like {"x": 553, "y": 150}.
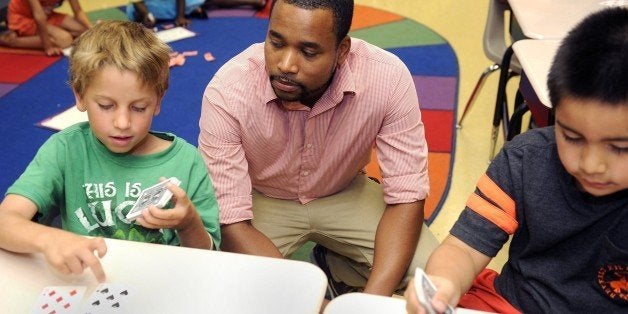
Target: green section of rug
{"x": 107, "y": 14}
{"x": 405, "y": 33}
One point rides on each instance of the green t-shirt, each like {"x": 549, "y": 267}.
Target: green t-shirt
{"x": 75, "y": 176}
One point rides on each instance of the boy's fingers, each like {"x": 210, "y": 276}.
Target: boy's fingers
{"x": 439, "y": 305}
{"x": 100, "y": 247}
{"x": 94, "y": 264}
{"x": 98, "y": 272}
{"x": 90, "y": 260}
{"x": 74, "y": 266}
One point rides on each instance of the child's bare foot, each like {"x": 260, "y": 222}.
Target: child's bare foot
{"x": 8, "y": 38}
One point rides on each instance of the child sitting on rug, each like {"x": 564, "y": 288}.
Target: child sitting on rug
{"x": 257, "y": 4}
{"x": 560, "y": 191}
{"x": 34, "y": 24}
{"x": 91, "y": 173}
{"x": 148, "y": 12}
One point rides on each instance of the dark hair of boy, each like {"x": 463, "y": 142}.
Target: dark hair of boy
{"x": 591, "y": 61}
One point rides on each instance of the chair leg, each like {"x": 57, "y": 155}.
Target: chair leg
{"x": 514, "y": 127}
{"x": 500, "y": 108}
{"x": 476, "y": 89}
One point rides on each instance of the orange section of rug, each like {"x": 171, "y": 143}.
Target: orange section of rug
{"x": 438, "y": 169}
{"x": 366, "y": 16}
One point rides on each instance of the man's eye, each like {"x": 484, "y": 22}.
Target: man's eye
{"x": 309, "y": 54}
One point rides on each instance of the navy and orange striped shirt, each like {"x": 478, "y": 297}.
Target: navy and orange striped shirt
{"x": 569, "y": 249}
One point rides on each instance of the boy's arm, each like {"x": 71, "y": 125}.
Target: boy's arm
{"x": 79, "y": 14}
{"x": 65, "y": 251}
{"x": 180, "y": 19}
{"x": 453, "y": 266}
{"x": 42, "y": 28}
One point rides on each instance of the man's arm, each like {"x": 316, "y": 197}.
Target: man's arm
{"x": 396, "y": 239}
{"x": 242, "y": 237}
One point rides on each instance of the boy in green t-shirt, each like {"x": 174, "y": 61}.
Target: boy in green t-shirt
{"x": 91, "y": 174}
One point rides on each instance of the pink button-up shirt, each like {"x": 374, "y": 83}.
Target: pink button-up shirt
{"x": 251, "y": 139}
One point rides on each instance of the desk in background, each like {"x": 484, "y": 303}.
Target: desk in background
{"x": 170, "y": 279}
{"x": 552, "y": 19}
{"x": 535, "y": 57}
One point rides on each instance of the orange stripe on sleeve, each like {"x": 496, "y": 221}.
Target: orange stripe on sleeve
{"x": 497, "y": 195}
{"x": 493, "y": 213}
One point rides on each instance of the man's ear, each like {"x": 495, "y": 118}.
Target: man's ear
{"x": 79, "y": 102}
{"x": 343, "y": 49}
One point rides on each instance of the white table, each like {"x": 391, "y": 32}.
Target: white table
{"x": 551, "y": 19}
{"x": 175, "y": 280}
{"x": 536, "y": 58}
{"x": 363, "y": 303}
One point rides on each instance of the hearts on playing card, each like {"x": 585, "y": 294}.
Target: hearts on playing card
{"x": 59, "y": 299}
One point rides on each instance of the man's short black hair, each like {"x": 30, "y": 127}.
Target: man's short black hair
{"x": 342, "y": 9}
{"x": 592, "y": 61}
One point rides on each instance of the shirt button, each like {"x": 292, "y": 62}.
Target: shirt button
{"x": 308, "y": 146}
{"x": 305, "y": 173}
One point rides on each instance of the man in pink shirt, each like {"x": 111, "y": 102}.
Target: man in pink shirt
{"x": 286, "y": 130}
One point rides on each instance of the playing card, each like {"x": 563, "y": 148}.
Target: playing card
{"x": 157, "y": 195}
{"x": 109, "y": 298}
{"x": 59, "y": 299}
{"x": 425, "y": 291}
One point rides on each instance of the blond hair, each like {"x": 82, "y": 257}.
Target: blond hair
{"x": 128, "y": 46}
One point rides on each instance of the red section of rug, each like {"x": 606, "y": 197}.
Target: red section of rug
{"x": 19, "y": 68}
{"x": 438, "y": 129}
{"x": 265, "y": 12}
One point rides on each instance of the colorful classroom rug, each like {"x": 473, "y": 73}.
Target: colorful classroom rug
{"x": 33, "y": 87}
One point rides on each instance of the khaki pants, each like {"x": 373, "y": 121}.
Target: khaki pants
{"x": 344, "y": 223}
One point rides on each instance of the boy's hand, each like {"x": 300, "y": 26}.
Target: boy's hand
{"x": 71, "y": 254}
{"x": 182, "y": 21}
{"x": 52, "y": 50}
{"x": 179, "y": 217}
{"x": 446, "y": 294}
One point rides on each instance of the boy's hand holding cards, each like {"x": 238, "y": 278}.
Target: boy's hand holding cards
{"x": 157, "y": 195}
{"x": 425, "y": 291}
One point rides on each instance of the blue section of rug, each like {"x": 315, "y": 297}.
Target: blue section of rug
{"x": 48, "y": 93}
